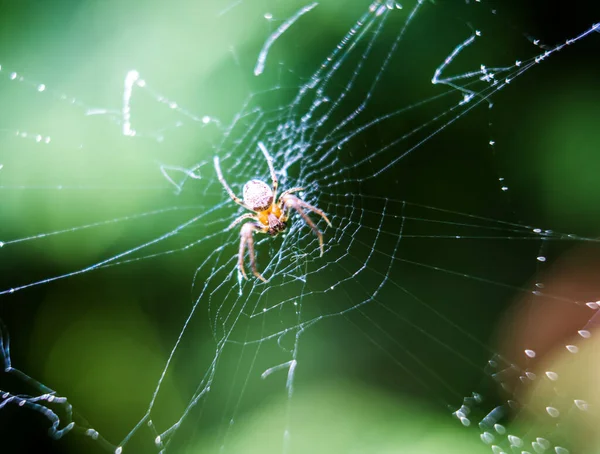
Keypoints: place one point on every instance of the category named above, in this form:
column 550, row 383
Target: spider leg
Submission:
column 234, row 197
column 289, row 191
column 246, row 236
column 294, row 201
column 271, row 168
column 242, row 218
column 296, row 204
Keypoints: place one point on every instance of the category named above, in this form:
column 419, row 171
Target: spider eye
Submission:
column 258, row 195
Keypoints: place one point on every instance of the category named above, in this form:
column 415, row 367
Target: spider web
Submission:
column 427, row 251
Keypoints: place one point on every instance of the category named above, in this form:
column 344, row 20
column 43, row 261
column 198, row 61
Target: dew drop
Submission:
column 541, row 258
column 500, row 429
column 552, row 375
column 560, row 450
column 465, row 421
column 487, row 438
column 582, row 404
column 41, row 87
column 497, row 450
column 530, row 353
column 205, row 119
column 572, row 348
column 537, row 447
column 119, row 450
column 592, row 305
column 515, row 441
column 157, row 440
column 584, row 333
column 543, row 442
column 553, row 412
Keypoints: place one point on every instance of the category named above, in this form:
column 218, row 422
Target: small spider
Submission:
column 269, row 216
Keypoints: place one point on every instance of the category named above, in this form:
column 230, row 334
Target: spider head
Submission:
column 258, row 195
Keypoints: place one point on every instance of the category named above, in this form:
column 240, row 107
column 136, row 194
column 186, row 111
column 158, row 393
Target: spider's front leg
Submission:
column 246, row 236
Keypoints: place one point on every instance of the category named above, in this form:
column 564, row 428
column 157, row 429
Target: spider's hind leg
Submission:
column 297, row 204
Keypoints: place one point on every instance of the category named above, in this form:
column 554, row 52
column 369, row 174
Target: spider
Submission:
column 268, row 215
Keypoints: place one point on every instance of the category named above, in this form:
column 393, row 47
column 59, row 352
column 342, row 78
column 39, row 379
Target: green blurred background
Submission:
column 102, row 338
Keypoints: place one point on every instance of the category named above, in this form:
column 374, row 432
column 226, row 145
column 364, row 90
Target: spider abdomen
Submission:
column 258, row 195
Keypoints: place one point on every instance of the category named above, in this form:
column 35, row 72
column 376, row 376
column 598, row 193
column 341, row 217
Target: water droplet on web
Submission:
column 1, row 243
column 515, row 441
column 500, row 429
column 593, row 305
column 157, row 440
column 560, row 450
column 487, row 438
column 552, row 375
column 572, row 348
column 582, row 404
column 41, row 87
column 497, row 450
column 93, row 434
column 119, row 450
column 537, row 447
column 584, row 333
column 530, row 353
column 530, row 375
column 541, row 258
column 552, row 411
column 545, row 444
column 465, row 421
column 205, row 119
column 268, row 16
